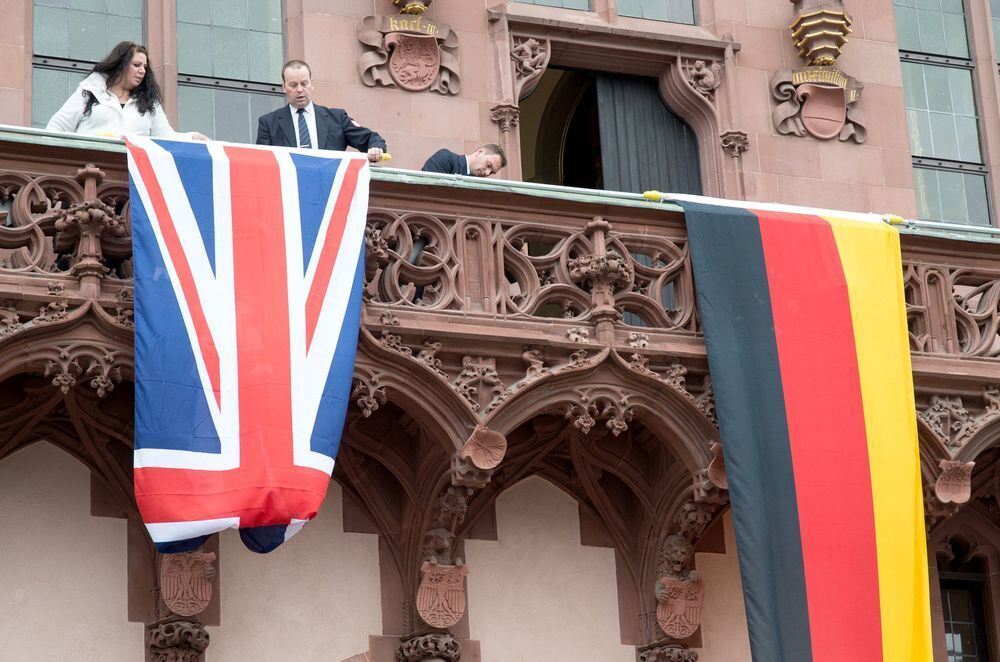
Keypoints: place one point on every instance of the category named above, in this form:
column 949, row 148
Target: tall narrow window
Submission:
column 948, row 166
column 68, row 38
column 229, row 57
column 675, row 11
column 963, row 587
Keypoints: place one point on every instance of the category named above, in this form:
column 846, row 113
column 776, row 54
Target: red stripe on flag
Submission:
column 826, row 424
column 331, row 247
column 260, row 278
column 173, row 245
column 184, row 495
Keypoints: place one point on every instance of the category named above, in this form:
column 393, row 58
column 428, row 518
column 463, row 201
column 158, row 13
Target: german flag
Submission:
column 805, row 327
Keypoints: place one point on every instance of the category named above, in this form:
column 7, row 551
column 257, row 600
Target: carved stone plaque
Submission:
column 185, row 582
column 414, row 61
column 441, row 596
column 679, row 612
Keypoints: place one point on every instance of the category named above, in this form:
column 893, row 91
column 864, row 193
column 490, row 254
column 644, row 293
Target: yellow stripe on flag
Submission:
column 872, row 263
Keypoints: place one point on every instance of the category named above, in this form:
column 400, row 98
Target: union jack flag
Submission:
column 249, row 267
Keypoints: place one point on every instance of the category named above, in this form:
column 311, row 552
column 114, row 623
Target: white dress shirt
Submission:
column 310, row 113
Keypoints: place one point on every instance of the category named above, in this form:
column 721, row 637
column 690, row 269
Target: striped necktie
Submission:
column 303, row 129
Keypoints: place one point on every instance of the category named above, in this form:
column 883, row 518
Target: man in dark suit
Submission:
column 304, row 124
column 485, row 161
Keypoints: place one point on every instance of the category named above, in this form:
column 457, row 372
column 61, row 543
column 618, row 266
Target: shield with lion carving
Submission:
column 415, row 60
column 679, row 612
column 184, row 582
column 441, row 596
column 824, row 109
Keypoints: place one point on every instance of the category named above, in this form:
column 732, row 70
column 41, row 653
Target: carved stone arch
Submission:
column 932, row 451
column 651, row 400
column 419, row 390
column 696, row 104
column 985, row 438
column 975, row 528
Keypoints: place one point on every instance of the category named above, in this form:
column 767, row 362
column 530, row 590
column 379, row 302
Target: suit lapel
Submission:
column 322, row 126
column 286, row 126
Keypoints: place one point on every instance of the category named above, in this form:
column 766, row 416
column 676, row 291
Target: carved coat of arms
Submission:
column 409, row 52
column 185, row 582
column 680, row 604
column 820, row 101
column 441, row 596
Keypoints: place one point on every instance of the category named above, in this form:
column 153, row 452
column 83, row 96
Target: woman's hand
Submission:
column 199, row 136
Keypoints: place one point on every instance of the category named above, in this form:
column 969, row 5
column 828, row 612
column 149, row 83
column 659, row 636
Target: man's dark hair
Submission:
column 295, row 64
column 493, row 148
column 114, row 66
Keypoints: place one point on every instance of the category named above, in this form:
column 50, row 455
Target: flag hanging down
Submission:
column 249, row 267
column 805, row 328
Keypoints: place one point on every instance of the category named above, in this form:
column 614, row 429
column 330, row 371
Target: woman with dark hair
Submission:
column 120, row 97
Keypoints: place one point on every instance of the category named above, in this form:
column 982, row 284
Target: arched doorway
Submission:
column 603, row 131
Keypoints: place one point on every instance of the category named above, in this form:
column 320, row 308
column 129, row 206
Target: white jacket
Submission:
column 107, row 117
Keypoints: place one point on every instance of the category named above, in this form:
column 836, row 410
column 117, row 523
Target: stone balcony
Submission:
column 492, row 306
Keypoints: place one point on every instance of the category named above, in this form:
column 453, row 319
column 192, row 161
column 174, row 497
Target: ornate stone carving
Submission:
column 818, row 101
column 10, row 321
column 735, row 143
column 669, row 653
column 535, row 358
column 436, row 646
column 51, row 312
column 694, row 517
column 429, row 356
column 506, row 116
column 680, row 592
column 530, row 58
column 954, row 485
column 479, row 383
column 638, row 340
column 103, row 368
column 485, row 448
column 409, row 52
column 704, row 78
column 82, row 227
column 368, row 394
column 176, row 639
column 124, row 308
column 186, row 582
column 615, row 411
column 706, row 402
column 580, row 334
column 608, row 271
column 441, row 596
column 953, row 424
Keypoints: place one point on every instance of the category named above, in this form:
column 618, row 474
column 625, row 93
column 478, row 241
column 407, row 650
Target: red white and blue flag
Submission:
column 249, row 268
